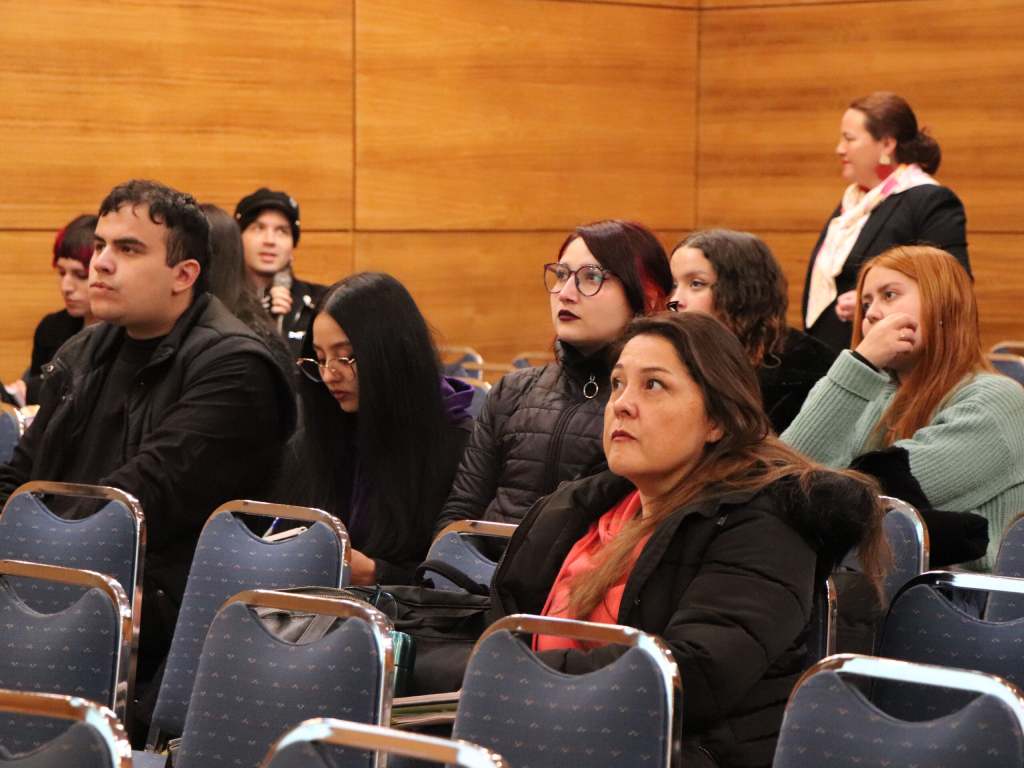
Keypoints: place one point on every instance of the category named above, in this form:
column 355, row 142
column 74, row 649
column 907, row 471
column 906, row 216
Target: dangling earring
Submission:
column 885, row 160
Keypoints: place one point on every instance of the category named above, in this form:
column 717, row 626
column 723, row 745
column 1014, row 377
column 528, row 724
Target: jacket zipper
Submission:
column 555, row 446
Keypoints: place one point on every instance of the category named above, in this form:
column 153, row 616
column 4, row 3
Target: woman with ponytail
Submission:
column 916, row 405
column 705, row 530
column 893, row 199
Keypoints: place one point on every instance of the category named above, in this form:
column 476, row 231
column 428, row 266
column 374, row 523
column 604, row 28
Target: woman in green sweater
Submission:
column 915, row 402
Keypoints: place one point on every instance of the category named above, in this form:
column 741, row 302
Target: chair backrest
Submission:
column 455, row 547
column 454, row 360
column 12, row 426
column 619, row 715
column 821, row 635
column 95, row 738
column 830, row 722
column 907, row 536
column 925, row 625
column 1009, row 347
column 326, row 743
column 251, row 686
column 1003, row 606
column 230, row 559
column 83, row 650
column 1011, row 365
column 531, row 359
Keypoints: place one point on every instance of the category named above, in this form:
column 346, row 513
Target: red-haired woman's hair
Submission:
column 950, row 337
column 75, row 241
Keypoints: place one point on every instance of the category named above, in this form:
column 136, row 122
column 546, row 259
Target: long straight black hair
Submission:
column 392, row 446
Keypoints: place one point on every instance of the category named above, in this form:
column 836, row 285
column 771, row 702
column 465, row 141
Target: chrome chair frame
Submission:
column 892, row 504
column 1007, row 347
column 478, row 528
column 77, row 709
column 880, row 668
column 375, row 738
column 343, row 608
column 979, row 582
column 293, row 512
column 109, row 586
column 107, row 493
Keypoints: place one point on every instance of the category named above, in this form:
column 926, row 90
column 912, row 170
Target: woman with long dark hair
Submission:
column 734, row 276
column 706, row 530
column 542, row 426
column 893, row 198
column 382, row 430
column 916, row 404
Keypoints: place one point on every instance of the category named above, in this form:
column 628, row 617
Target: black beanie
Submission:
column 250, row 207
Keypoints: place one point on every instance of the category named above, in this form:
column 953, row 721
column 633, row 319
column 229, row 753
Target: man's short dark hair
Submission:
column 188, row 231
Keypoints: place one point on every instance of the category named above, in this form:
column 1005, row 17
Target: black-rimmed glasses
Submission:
column 314, row 369
column 589, row 278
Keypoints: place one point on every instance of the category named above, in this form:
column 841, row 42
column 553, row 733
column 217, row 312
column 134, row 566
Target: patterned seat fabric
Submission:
column 903, row 539
column 828, row 722
column 251, row 687
column 79, row 746
column 536, row 717
column 104, row 542
column 230, row 559
column 10, row 434
column 1003, row 606
column 458, row 551
column 73, row 652
column 924, row 626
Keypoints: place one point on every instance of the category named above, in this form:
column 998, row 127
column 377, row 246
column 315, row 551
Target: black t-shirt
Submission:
column 101, row 448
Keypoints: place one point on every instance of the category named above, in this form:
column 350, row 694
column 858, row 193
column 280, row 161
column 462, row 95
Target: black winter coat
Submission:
column 51, row 333
column 727, row 583
column 295, row 324
column 925, row 215
column 786, row 380
column 536, row 430
column 193, row 438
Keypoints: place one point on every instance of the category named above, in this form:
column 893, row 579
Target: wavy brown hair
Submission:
column 750, row 292
column 950, row 336
column 747, row 457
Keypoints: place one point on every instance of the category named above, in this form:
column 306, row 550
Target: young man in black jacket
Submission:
column 270, row 226
column 171, row 398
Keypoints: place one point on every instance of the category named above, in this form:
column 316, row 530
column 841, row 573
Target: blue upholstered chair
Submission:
column 454, row 547
column 82, row 650
column 828, row 721
column 251, row 686
column 620, row 715
column 481, row 389
column 229, row 559
column 1003, row 606
column 532, row 359
column 1010, row 364
column 463, row 362
column 12, row 426
column 90, row 735
column 925, row 625
column 315, row 744
column 907, row 537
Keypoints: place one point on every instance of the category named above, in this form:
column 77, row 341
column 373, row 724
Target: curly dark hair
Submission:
column 750, row 291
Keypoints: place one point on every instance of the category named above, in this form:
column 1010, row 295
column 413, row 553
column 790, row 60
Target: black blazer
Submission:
column 926, row 215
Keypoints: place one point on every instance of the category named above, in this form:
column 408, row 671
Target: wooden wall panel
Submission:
column 324, row 257
column 216, row 98
column 481, row 289
column 522, row 115
column 666, row 3
column 775, row 81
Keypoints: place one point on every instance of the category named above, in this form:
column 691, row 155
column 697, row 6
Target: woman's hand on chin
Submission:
column 888, row 340
column 364, row 570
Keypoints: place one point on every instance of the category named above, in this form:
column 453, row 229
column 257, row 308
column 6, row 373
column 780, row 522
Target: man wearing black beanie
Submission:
column 270, row 226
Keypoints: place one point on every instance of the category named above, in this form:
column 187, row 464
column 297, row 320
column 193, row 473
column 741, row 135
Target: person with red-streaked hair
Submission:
column 916, row 404
column 72, row 252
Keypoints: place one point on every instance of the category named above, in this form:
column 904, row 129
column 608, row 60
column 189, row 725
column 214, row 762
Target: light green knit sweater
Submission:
column 970, row 458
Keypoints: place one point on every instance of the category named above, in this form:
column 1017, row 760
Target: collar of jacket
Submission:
column 581, row 367
column 108, row 337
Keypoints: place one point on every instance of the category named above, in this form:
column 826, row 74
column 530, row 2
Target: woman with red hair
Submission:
column 916, row 404
column 72, row 252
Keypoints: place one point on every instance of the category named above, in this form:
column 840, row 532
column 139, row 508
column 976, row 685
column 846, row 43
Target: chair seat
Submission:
column 142, row 759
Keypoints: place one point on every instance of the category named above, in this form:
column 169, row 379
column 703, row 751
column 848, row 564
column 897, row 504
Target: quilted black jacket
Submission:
column 537, row 429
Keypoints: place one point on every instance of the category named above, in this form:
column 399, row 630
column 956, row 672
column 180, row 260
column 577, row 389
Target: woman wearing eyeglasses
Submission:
column 734, row 276
column 542, row 426
column 382, row 430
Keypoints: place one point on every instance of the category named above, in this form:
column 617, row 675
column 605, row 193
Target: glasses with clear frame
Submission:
column 314, row 369
column 589, row 278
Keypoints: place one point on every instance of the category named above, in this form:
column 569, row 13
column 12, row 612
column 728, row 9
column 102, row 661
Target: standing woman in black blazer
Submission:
column 892, row 200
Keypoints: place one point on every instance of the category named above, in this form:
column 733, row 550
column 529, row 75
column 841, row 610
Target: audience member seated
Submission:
column 227, row 279
column 916, row 404
column 734, row 276
column 270, row 227
column 383, row 431
column 542, row 426
column 892, row 200
column 706, row 530
column 72, row 250
column 170, row 398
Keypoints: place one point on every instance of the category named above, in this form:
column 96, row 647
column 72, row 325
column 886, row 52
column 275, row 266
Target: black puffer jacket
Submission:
column 727, row 583
column 537, row 429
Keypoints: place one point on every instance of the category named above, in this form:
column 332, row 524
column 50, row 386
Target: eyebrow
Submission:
column 646, row 369
column 121, row 241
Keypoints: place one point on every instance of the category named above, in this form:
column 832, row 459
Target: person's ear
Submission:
column 186, row 273
column 715, row 432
